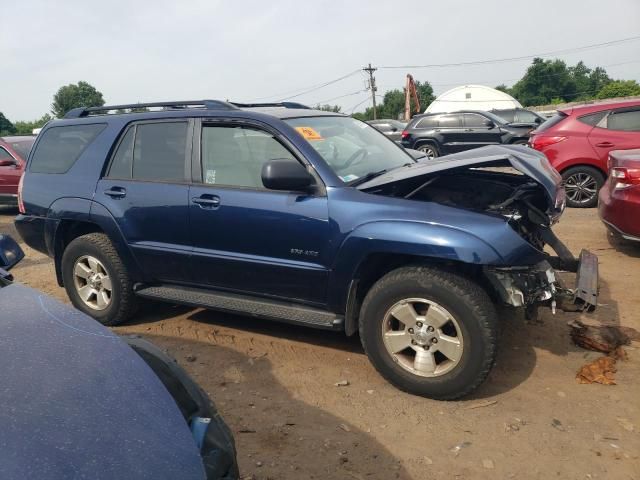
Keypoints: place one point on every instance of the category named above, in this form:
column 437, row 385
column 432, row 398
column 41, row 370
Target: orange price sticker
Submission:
column 309, row 133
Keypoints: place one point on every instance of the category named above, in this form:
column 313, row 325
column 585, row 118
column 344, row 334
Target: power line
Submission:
column 336, row 98
column 523, row 57
column 331, row 82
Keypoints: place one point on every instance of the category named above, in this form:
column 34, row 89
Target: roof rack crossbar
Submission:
column 208, row 104
column 276, row 104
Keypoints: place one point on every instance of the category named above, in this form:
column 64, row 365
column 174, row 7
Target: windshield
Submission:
column 352, row 148
column 496, row 119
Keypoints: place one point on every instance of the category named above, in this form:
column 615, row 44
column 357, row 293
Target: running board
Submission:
column 243, row 304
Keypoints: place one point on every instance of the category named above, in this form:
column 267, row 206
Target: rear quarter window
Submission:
column 593, row 118
column 60, row 147
column 553, row 121
column 427, row 122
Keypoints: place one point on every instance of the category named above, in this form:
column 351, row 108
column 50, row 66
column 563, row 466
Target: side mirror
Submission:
column 286, row 174
column 7, row 162
column 394, row 129
column 489, row 124
column 10, row 252
column 539, row 120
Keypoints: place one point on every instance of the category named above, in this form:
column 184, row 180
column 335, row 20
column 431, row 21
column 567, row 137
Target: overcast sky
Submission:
column 153, row 50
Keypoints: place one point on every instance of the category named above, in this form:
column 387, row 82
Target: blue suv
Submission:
column 310, row 217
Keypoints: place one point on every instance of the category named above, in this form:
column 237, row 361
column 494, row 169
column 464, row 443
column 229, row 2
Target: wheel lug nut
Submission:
column 434, row 340
column 429, row 329
column 426, row 347
column 418, row 324
column 413, row 342
column 411, row 330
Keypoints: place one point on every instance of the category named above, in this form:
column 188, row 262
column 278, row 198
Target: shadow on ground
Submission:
column 237, row 382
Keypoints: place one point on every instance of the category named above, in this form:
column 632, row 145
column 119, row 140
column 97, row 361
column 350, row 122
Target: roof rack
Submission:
column 207, row 104
column 277, row 104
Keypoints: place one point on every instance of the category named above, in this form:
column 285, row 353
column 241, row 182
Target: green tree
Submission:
column 619, row 88
column 425, row 94
column 329, row 108
column 72, row 96
column 26, row 128
column 392, row 105
column 6, row 127
column 543, row 81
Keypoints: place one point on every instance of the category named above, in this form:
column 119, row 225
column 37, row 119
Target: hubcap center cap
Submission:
column 423, row 337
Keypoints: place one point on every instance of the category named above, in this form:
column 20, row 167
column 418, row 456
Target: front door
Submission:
column 480, row 131
column 146, row 190
column 247, row 238
column 451, row 133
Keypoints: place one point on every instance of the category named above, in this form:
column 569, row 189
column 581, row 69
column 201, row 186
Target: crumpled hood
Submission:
column 524, row 159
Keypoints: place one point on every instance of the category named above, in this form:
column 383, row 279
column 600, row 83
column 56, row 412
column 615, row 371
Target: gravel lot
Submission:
column 274, row 384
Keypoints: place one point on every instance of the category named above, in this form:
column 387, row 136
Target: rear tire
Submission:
column 96, row 280
column 431, row 151
column 582, row 185
column 449, row 308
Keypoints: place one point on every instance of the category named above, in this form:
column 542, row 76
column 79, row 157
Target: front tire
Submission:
column 96, row 280
column 582, row 185
column 429, row 332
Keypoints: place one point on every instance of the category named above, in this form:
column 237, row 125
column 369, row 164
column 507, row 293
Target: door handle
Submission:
column 207, row 201
column 116, row 192
column 604, row 144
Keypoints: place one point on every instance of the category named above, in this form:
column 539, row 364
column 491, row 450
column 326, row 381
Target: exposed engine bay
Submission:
column 527, row 207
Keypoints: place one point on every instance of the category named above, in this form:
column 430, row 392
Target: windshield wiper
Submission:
column 366, row 178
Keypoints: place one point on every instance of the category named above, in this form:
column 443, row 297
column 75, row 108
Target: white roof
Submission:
column 472, row 97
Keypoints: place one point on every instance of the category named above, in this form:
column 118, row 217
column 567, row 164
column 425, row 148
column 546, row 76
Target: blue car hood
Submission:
column 77, row 402
column 524, row 159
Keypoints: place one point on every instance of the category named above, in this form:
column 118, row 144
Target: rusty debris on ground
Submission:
column 605, row 339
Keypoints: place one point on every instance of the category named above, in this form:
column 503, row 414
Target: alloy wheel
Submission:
column 422, row 337
column 92, row 282
column 581, row 187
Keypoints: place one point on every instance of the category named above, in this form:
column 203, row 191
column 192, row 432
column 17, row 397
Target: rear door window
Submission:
column 627, row 121
column 160, row 151
column 4, row 155
column 473, row 120
column 60, row 147
column 427, row 122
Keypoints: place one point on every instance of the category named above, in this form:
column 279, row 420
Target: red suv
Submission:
column 13, row 156
column 577, row 142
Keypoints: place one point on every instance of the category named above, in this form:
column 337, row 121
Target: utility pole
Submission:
column 372, row 86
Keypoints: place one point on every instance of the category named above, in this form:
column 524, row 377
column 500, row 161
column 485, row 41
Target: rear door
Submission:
column 478, row 133
column 9, row 173
column 146, row 190
column 450, row 130
column 619, row 130
column 247, row 238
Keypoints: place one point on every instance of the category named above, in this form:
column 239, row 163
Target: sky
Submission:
column 246, row 50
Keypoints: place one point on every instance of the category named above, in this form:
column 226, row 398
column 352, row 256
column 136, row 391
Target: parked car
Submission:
column 391, row 128
column 577, row 142
column 304, row 216
column 14, row 152
column 439, row 134
column 619, row 199
column 82, row 402
column 520, row 117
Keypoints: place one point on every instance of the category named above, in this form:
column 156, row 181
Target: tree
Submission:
column 543, row 81
column 392, row 105
column 329, row 108
column 6, row 127
column 26, row 128
column 425, row 94
column 619, row 88
column 73, row 96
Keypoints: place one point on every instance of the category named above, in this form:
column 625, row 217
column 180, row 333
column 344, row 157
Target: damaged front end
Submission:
column 519, row 185
column 540, row 285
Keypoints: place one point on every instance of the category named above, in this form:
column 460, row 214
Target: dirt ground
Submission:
column 274, row 384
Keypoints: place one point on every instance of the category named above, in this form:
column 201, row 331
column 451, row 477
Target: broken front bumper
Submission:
column 539, row 285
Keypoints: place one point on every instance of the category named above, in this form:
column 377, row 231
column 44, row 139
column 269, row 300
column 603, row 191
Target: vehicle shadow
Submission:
column 277, row 435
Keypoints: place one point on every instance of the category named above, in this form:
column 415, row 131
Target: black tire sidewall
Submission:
column 428, row 146
column 593, row 172
column 477, row 343
column 77, row 248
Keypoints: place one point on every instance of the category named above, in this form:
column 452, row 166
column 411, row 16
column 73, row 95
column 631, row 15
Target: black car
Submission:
column 391, row 128
column 520, row 117
column 439, row 134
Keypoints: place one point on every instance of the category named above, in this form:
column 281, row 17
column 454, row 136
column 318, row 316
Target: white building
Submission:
column 472, row 97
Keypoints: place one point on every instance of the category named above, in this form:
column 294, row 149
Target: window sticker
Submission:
column 309, row 133
column 348, row 178
column 210, row 177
